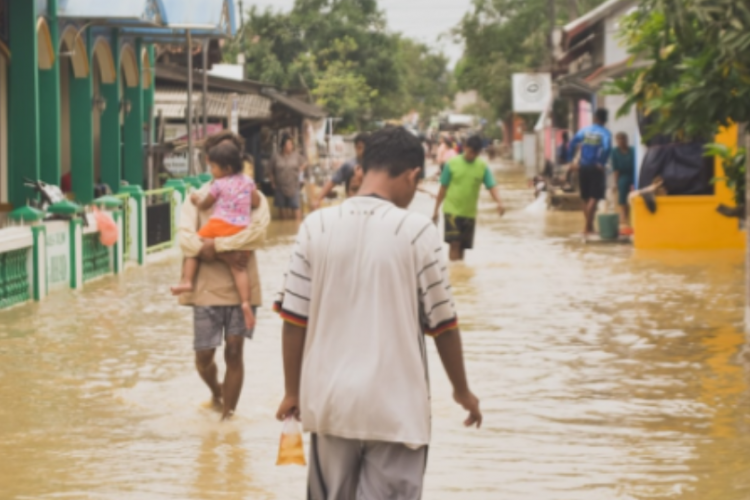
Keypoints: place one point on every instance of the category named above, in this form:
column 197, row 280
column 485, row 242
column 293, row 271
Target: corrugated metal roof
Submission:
column 591, row 18
column 303, row 108
column 172, row 102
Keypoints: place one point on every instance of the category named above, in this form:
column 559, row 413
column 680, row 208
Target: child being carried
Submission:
column 233, row 196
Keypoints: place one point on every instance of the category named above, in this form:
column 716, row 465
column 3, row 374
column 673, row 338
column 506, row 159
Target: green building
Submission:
column 77, row 84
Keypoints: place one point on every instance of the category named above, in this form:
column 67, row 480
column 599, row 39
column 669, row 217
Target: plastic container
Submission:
column 609, row 226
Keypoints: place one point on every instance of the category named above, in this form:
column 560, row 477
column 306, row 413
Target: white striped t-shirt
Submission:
column 368, row 280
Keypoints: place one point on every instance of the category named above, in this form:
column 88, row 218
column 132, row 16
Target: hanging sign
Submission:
column 234, row 113
column 531, row 92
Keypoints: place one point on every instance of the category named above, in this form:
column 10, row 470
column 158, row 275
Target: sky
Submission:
column 424, row 20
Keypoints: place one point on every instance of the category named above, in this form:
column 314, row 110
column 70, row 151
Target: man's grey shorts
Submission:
column 215, row 323
column 346, row 469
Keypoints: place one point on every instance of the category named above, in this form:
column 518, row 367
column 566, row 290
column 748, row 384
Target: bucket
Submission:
column 609, row 226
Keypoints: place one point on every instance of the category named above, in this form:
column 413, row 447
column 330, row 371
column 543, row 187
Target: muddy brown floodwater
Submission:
column 604, row 373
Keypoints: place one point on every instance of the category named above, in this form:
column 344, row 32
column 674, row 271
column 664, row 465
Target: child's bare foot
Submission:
column 247, row 311
column 227, row 415
column 182, row 288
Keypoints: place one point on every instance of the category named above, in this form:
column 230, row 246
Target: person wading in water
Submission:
column 216, row 303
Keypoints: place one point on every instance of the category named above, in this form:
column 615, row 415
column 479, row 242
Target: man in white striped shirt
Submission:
column 367, row 280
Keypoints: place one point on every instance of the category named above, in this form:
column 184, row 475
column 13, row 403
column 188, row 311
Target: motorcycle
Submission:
column 49, row 195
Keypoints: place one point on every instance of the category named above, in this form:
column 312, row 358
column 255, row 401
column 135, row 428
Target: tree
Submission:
column 700, row 76
column 503, row 37
column 384, row 74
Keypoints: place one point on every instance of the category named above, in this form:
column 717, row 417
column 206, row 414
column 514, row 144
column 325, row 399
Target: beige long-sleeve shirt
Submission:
column 214, row 285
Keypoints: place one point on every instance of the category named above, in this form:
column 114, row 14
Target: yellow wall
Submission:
column 690, row 222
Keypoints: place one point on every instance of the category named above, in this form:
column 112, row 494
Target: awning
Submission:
column 575, row 86
column 616, row 70
column 581, row 48
column 578, row 27
column 119, row 12
column 172, row 103
column 300, row 107
column 171, row 74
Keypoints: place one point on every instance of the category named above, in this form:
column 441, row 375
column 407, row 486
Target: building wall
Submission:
column 614, row 49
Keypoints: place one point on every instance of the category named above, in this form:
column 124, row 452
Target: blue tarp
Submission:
column 218, row 15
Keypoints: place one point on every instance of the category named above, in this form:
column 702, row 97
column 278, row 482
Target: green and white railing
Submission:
column 47, row 256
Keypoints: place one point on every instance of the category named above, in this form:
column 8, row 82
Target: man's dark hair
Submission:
column 601, row 115
column 226, row 155
column 361, row 138
column 475, row 143
column 284, row 139
column 393, row 150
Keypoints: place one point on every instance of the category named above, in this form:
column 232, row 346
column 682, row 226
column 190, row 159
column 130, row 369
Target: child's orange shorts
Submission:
column 216, row 228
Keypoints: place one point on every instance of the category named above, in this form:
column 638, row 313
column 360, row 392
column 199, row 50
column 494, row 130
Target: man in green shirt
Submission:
column 461, row 182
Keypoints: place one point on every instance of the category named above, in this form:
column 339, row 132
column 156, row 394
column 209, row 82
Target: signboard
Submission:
column 58, row 256
column 234, row 113
column 177, row 164
column 531, row 92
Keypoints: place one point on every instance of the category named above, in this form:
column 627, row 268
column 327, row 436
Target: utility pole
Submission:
column 552, row 13
column 189, row 117
column 747, row 225
column 572, row 9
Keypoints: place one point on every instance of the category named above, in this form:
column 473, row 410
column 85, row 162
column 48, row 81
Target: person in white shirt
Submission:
column 356, row 368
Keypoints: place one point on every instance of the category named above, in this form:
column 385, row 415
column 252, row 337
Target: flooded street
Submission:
column 603, row 374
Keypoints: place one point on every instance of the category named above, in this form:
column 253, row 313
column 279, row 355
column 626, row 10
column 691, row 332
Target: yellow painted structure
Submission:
column 690, row 222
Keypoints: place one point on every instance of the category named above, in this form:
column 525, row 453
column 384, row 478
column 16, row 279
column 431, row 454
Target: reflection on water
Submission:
column 603, row 372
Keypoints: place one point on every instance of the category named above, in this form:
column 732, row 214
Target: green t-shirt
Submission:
column 464, row 181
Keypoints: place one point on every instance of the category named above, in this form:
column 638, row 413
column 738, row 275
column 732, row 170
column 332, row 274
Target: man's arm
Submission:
column 207, row 202
column 577, row 139
column 293, row 347
column 253, row 237
column 340, row 176
column 445, row 181
column 327, row 188
column 187, row 232
column 606, row 149
column 495, row 192
column 491, row 184
column 450, row 348
column 438, row 203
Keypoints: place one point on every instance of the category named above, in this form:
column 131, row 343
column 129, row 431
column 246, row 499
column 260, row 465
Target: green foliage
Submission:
column 342, row 54
column 339, row 89
column 700, row 76
column 503, row 37
column 735, row 169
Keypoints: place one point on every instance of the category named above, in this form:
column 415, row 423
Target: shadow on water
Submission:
column 604, row 373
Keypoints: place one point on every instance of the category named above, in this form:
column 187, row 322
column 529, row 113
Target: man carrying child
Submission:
column 217, row 303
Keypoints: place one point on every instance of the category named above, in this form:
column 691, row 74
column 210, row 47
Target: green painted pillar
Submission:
column 49, row 107
column 110, row 125
column 82, row 133
column 39, row 264
column 23, row 101
column 133, row 134
column 149, row 94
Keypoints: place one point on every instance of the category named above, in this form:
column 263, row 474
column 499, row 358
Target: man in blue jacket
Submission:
column 595, row 142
